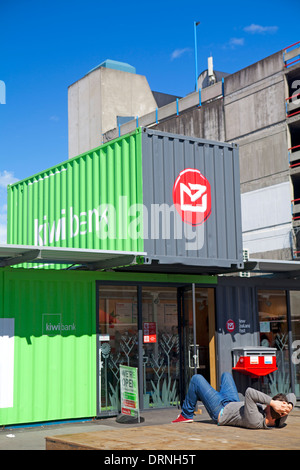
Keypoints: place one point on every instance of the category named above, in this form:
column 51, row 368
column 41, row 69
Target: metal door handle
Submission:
column 193, row 357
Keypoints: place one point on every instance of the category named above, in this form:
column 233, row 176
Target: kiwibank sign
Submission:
column 94, row 220
column 53, row 325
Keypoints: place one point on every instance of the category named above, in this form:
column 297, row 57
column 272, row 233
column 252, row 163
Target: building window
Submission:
column 273, row 330
column 295, row 326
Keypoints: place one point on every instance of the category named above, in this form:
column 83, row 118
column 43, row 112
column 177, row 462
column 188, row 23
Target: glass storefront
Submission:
column 273, row 329
column 279, row 327
column 295, row 327
column 151, row 328
column 119, row 344
column 166, row 335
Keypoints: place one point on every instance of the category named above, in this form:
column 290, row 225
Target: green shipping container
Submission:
column 69, row 205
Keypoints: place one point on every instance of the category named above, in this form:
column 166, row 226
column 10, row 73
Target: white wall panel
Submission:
column 7, row 332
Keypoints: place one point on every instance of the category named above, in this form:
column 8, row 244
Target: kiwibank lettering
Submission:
column 53, row 325
column 79, row 224
column 120, row 221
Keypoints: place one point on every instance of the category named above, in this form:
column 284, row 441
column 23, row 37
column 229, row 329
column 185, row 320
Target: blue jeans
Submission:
column 213, row 401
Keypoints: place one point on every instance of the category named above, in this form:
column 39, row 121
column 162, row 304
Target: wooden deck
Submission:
column 199, row 435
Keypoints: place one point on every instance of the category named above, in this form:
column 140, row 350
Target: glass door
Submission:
column 273, row 327
column 117, row 342
column 161, row 364
column 197, row 333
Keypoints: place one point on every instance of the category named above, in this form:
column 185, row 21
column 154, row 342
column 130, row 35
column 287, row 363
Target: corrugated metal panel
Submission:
column 235, row 301
column 217, row 241
column 76, row 203
column 54, row 345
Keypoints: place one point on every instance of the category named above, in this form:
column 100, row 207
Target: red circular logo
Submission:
column 230, row 325
column 192, row 196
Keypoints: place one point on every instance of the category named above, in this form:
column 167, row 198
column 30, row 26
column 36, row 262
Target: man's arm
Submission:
column 281, row 407
column 253, row 416
column 291, row 398
column 284, row 407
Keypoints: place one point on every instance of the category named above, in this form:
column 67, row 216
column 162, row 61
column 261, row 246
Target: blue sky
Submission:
column 45, row 46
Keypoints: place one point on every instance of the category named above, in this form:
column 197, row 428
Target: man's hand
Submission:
column 281, row 407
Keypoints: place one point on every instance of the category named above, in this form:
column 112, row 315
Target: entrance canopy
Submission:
column 90, row 259
column 279, row 268
column 11, row 255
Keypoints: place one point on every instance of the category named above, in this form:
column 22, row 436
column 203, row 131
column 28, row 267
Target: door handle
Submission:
column 193, row 358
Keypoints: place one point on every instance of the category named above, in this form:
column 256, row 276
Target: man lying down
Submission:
column 226, row 409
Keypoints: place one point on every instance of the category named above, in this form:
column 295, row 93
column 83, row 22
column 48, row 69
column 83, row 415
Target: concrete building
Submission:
column 109, row 95
column 259, row 109
column 106, row 96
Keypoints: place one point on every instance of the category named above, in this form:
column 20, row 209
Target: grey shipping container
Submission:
column 206, row 213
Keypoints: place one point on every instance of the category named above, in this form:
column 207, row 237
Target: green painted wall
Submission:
column 54, row 346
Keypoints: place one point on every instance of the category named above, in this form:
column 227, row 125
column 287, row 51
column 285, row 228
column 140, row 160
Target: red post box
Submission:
column 255, row 361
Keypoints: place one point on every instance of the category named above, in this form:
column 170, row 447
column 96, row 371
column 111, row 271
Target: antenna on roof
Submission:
column 211, row 75
column 196, row 23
